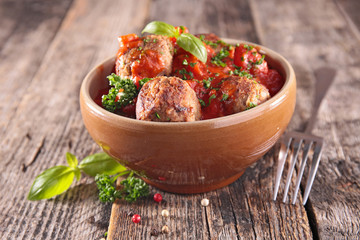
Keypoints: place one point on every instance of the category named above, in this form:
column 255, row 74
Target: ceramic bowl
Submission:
column 190, row 157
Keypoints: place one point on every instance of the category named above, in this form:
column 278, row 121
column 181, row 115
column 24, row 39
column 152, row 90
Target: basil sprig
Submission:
column 161, row 28
column 100, row 163
column 58, row 179
column 187, row 41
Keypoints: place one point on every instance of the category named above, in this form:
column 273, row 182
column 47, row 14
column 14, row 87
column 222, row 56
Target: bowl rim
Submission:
column 215, row 122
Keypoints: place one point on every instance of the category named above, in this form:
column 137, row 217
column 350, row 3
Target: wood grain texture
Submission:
column 47, row 47
column 244, row 210
column 46, row 121
column 27, row 29
column 316, row 33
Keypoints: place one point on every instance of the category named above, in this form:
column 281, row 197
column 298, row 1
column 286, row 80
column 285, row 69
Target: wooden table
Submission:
column 46, row 49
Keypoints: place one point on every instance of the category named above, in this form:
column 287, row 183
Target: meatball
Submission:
column 167, row 99
column 243, row 93
column 152, row 57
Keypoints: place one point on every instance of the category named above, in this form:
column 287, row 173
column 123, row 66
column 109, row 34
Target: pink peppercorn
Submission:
column 136, row 218
column 157, row 197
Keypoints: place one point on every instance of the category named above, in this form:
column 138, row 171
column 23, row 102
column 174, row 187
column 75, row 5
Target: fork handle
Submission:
column 324, row 78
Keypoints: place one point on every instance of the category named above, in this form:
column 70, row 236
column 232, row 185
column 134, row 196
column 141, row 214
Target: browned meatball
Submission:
column 167, row 99
column 152, row 58
column 243, row 93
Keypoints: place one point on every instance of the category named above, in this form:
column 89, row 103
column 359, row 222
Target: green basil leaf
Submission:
column 161, row 28
column 51, row 182
column 77, row 173
column 72, row 160
column 100, row 163
column 193, row 45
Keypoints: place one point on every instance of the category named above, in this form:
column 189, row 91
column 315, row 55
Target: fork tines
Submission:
column 294, row 142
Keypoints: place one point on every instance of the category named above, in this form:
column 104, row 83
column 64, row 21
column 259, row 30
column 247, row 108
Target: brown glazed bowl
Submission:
column 190, row 157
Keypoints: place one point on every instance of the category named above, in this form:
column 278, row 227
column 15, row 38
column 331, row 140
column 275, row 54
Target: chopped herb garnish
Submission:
column 223, row 43
column 243, row 73
column 211, row 98
column 251, row 105
column 207, row 82
column 192, row 64
column 217, row 60
column 184, row 73
column 211, row 44
column 157, row 115
column 202, row 103
column 185, row 62
column 260, row 61
column 224, row 97
column 248, row 47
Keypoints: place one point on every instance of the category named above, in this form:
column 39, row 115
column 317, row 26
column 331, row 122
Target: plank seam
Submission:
column 41, row 62
column 312, row 219
column 234, row 215
column 39, row 147
column 349, row 22
column 250, row 214
column 207, row 224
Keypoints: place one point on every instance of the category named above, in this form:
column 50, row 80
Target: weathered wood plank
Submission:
column 27, row 29
column 47, row 122
column 243, row 210
column 314, row 34
column 38, row 127
column 350, row 10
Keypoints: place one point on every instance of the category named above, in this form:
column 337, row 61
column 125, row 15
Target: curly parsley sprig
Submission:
column 122, row 93
column 133, row 187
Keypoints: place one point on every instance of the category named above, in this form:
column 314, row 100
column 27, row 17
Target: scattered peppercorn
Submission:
column 165, row 229
column 154, row 232
column 136, row 218
column 157, row 197
column 130, row 213
column 205, row 202
column 165, row 213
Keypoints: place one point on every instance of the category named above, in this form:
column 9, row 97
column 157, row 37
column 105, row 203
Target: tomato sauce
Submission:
column 223, row 60
column 206, row 78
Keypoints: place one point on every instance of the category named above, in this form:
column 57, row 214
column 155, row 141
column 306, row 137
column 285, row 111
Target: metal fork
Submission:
column 306, row 141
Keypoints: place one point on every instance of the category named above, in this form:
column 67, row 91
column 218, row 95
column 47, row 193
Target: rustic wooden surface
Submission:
column 47, row 47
